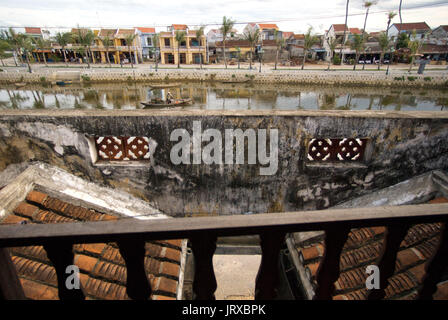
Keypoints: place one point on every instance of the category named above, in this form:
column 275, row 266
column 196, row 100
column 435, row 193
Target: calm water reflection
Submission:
column 224, row 97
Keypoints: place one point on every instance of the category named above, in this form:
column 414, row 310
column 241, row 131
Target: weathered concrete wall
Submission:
column 396, row 78
column 402, row 145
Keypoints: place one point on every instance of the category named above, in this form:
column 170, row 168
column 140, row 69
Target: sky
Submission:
column 289, row 15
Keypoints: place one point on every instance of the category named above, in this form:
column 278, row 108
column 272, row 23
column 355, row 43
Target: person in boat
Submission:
column 169, row 98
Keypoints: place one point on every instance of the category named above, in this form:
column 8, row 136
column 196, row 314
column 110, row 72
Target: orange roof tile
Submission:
column 179, row 26
column 103, row 270
column 146, row 30
column 363, row 247
column 268, row 26
column 412, row 26
column 32, row 30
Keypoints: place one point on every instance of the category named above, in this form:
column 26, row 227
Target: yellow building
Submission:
column 190, row 51
column 118, row 49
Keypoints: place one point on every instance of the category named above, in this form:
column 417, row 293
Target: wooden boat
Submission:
column 159, row 103
column 163, row 86
column 20, row 84
column 63, row 83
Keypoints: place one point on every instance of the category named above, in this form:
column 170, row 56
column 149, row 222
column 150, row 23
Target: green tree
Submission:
column 345, row 28
column 199, row 36
column 367, row 5
column 280, row 44
column 390, row 16
column 155, row 41
column 107, row 41
column 414, row 47
column 129, row 42
column 26, row 46
column 12, row 38
column 4, row 46
column 310, row 40
column 42, row 44
column 63, row 39
column 238, row 50
column 357, row 44
column 332, row 43
column 385, row 44
column 402, row 41
column 180, row 37
column 226, row 27
column 252, row 36
column 85, row 38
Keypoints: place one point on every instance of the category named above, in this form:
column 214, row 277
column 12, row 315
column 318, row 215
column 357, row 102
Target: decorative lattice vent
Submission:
column 343, row 149
column 111, row 148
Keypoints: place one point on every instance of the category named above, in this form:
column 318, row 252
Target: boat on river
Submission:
column 159, row 103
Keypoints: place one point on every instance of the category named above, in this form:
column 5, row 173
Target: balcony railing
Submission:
column 130, row 236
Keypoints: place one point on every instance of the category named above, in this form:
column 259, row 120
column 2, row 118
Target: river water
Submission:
column 223, row 96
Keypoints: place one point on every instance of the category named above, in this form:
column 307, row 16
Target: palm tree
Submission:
column 63, row 39
column 13, row 39
column 345, row 28
column 199, row 35
column 280, row 43
column 180, row 37
column 107, row 42
column 332, row 43
column 42, row 44
column 367, row 5
column 238, row 50
column 390, row 16
column 414, row 47
column 155, row 41
column 310, row 40
column 129, row 41
column 252, row 36
column 399, row 11
column 384, row 43
column 85, row 38
column 24, row 43
column 357, row 44
column 4, row 46
column 226, row 27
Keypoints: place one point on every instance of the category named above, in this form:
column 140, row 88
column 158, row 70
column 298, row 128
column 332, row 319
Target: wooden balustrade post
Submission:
column 204, row 283
column 267, row 277
column 61, row 256
column 329, row 269
column 137, row 284
column 10, row 287
column 394, row 236
column 435, row 267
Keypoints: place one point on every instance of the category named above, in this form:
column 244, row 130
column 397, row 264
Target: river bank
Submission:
column 437, row 79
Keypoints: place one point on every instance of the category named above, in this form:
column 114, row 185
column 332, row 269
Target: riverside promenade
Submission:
column 434, row 76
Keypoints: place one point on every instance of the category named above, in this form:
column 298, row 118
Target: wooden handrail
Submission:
column 177, row 228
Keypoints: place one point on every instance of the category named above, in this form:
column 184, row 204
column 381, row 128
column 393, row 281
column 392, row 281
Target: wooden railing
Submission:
column 131, row 234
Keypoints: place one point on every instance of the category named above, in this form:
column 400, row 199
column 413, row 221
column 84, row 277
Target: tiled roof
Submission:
column 31, row 30
column 339, row 27
column 363, row 248
column 102, row 269
column 287, row 34
column 445, row 28
column 107, row 32
column 125, row 32
column 146, row 30
column 179, row 26
column 434, row 48
column 354, row 30
column 412, row 26
column 268, row 26
column 299, row 36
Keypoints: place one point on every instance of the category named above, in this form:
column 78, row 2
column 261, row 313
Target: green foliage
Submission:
column 233, row 76
column 85, row 78
column 427, row 78
column 402, row 41
column 399, row 78
column 412, row 78
column 336, row 59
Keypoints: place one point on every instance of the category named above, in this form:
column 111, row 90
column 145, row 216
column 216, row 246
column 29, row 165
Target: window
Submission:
column 167, row 42
column 149, row 41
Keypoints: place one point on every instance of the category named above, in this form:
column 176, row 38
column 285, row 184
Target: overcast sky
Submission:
column 289, row 15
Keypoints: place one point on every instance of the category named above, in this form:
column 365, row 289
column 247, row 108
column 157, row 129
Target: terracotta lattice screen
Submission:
column 112, row 148
column 343, row 149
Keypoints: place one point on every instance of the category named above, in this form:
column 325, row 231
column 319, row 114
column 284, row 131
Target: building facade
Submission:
column 190, row 51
